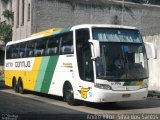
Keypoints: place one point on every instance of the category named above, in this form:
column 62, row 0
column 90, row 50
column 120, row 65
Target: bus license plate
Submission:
column 126, row 95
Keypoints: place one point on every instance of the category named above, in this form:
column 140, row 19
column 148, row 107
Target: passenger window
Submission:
column 40, row 47
column 9, row 52
column 22, row 50
column 15, row 51
column 66, row 43
column 30, row 49
column 52, row 46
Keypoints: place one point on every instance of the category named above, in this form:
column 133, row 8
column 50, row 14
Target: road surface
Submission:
column 40, row 106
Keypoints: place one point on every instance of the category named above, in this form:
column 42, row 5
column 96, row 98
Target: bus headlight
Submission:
column 102, row 86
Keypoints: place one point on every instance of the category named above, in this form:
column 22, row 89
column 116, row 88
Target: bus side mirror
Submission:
column 95, row 49
column 151, row 50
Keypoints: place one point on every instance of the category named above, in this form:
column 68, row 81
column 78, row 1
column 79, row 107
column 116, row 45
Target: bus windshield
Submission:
column 122, row 60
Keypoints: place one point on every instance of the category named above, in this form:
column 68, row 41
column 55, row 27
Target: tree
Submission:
column 6, row 28
column 5, row 32
column 8, row 14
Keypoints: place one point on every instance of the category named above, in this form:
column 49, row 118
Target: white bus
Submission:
column 90, row 62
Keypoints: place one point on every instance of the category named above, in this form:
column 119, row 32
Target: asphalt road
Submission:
column 41, row 106
column 13, row 106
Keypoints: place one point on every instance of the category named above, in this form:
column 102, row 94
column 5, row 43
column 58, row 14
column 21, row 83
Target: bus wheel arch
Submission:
column 68, row 93
column 20, row 86
column 14, row 84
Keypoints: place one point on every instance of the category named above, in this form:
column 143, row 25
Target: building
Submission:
column 31, row 16
column 22, row 25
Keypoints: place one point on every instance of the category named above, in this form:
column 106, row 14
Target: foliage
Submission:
column 8, row 14
column 5, row 32
column 6, row 29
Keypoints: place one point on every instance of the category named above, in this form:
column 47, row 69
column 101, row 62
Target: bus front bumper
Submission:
column 102, row 95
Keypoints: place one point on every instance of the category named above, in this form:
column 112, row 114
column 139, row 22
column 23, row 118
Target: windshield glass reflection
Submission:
column 122, row 61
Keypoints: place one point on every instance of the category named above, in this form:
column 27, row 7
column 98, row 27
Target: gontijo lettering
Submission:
column 22, row 64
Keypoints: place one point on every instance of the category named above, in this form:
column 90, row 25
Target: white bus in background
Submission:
column 92, row 62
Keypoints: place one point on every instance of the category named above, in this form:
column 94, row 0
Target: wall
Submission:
column 46, row 14
column 154, row 64
column 59, row 13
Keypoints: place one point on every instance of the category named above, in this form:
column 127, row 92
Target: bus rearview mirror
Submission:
column 151, row 50
column 95, row 49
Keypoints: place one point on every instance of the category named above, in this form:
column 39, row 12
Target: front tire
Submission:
column 69, row 95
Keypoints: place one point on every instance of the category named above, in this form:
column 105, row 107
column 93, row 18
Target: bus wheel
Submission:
column 20, row 87
column 68, row 94
column 14, row 85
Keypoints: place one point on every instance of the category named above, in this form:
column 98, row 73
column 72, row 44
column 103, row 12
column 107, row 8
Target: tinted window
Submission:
column 53, row 46
column 22, row 47
column 8, row 52
column 66, row 43
column 41, row 46
column 59, row 44
column 30, row 50
column 15, row 51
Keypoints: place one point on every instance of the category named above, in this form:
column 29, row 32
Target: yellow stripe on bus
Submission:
column 47, row 32
column 32, row 75
column 28, row 77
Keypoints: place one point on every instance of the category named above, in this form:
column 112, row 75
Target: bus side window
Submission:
column 30, row 49
column 15, row 51
column 40, row 46
column 9, row 52
column 22, row 50
column 66, row 43
column 52, row 48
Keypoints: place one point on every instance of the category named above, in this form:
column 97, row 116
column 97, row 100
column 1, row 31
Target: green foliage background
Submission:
column 5, row 32
column 6, row 28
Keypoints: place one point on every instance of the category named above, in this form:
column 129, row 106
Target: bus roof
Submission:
column 102, row 25
column 55, row 31
column 47, row 32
